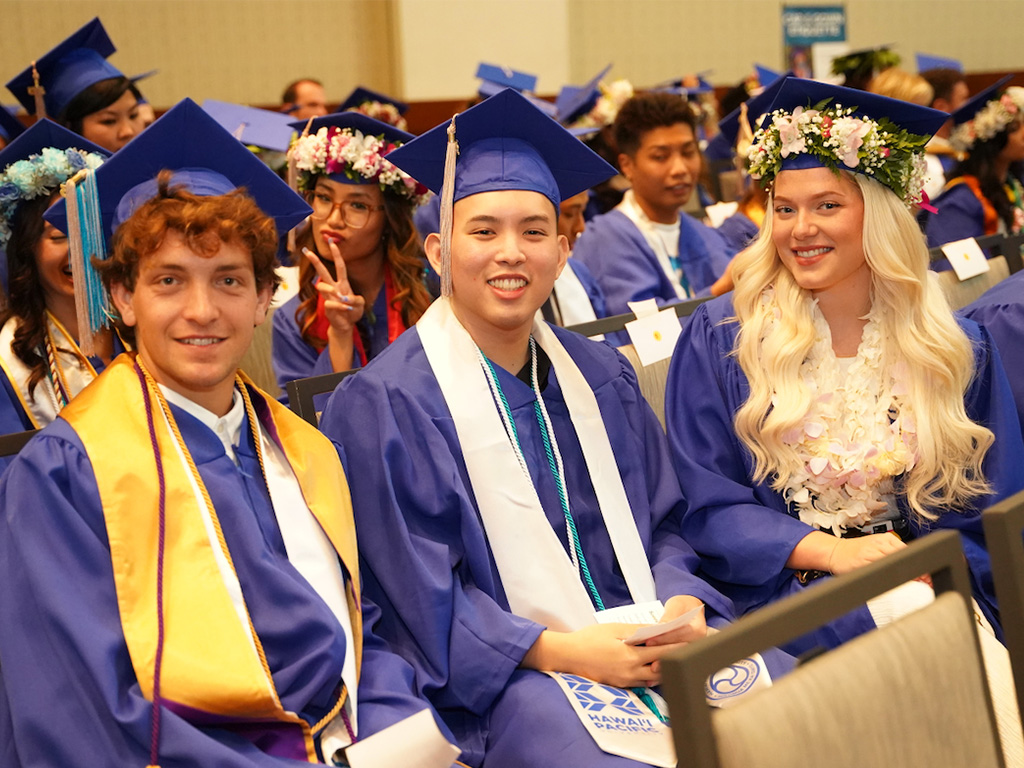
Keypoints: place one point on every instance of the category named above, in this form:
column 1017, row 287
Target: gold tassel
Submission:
column 37, row 92
column 447, row 196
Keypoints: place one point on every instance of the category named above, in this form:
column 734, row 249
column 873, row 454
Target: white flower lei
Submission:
column 990, row 120
column 37, row 175
column 383, row 111
column 841, row 140
column 857, row 436
column 348, row 151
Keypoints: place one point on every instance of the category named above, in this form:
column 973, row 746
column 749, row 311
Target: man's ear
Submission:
column 626, row 165
column 123, row 298
column 432, row 247
column 263, row 299
column 563, row 254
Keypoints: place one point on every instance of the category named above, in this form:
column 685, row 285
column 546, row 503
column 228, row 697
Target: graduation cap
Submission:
column 73, row 65
column 496, row 78
column 685, row 87
column 926, row 61
column 899, row 129
column 10, row 126
column 573, row 101
column 43, row 134
column 502, row 143
column 765, row 75
column 362, row 95
column 253, row 127
column 729, row 126
column 204, row 157
column 977, row 102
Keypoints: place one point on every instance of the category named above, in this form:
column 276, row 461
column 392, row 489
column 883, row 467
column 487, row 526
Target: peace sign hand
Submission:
column 343, row 308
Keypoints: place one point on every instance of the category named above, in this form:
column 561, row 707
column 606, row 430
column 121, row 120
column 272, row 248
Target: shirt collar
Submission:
column 228, row 427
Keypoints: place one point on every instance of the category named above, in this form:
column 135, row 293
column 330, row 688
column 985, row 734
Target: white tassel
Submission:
column 447, row 196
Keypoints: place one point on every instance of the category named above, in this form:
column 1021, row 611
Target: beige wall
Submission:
column 247, row 50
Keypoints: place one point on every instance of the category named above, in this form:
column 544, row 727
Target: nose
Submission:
column 804, row 226
column 127, row 130
column 337, row 217
column 680, row 168
column 509, row 250
column 200, row 306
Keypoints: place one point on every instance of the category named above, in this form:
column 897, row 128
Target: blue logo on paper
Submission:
column 732, row 681
column 594, row 697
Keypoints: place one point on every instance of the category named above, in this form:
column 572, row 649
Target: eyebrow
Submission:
column 815, row 196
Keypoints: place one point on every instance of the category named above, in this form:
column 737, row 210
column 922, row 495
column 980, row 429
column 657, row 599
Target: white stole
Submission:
column 572, row 302
column 536, row 572
column 634, row 213
column 73, row 367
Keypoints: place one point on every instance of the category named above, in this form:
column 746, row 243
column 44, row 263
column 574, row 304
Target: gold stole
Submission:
column 212, row 660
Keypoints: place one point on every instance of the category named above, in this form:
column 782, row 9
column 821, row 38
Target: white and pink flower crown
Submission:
column 837, row 139
column 346, row 151
column 607, row 106
column 383, row 111
column 990, row 120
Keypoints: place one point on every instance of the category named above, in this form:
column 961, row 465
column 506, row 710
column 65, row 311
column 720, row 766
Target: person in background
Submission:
column 76, row 86
column 984, row 194
column 647, row 247
column 362, row 268
column 208, row 608
column 304, row 99
column 44, row 367
column 950, row 93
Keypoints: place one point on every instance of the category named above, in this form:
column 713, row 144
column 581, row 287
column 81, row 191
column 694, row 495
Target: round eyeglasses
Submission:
column 355, row 213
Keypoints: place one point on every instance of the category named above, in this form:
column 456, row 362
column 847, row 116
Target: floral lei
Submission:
column 857, row 436
column 383, row 111
column 345, row 150
column 990, row 120
column 608, row 104
column 833, row 135
column 38, row 175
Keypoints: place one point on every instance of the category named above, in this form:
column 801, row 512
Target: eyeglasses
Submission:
column 355, row 213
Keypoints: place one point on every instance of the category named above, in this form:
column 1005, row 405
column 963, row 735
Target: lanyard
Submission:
column 554, row 457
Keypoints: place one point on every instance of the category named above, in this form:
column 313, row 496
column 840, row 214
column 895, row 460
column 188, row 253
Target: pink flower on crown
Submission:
column 850, row 132
column 790, row 135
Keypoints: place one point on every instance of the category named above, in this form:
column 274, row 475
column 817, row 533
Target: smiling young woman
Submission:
column 362, row 271
column 835, row 400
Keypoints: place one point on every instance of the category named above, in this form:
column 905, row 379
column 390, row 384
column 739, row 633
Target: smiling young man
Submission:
column 509, row 480
column 192, row 594
column 646, row 247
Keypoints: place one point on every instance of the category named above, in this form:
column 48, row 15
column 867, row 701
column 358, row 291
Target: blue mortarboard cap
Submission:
column 45, row 133
column 255, row 127
column 729, row 126
column 68, row 69
column 974, row 105
column 572, row 101
column 191, row 143
column 505, row 143
column 677, row 86
column 488, row 89
column 10, row 126
column 498, row 78
column 361, row 95
column 356, row 121
column 926, row 61
column 765, row 75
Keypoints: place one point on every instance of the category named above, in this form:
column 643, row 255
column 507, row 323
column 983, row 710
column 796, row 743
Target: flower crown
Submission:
column 38, row 175
column 876, row 148
column 383, row 111
column 345, row 150
column 608, row 104
column 990, row 120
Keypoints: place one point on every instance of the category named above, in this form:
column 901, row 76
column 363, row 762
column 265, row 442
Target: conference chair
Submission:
column 1004, row 525
column 303, row 393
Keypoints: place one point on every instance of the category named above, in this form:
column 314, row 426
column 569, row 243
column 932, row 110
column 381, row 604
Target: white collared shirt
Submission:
column 227, row 427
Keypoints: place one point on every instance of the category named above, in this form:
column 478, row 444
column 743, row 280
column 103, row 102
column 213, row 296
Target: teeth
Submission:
column 812, row 253
column 507, row 284
column 200, row 342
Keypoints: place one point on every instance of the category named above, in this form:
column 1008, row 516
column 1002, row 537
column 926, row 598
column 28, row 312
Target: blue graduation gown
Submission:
column 426, row 559
column 293, row 358
column 959, row 216
column 738, row 231
column 744, row 532
column 68, row 689
column 1000, row 310
column 626, row 268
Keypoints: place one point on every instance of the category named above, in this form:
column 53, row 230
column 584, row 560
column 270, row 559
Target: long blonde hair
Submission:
column 917, row 327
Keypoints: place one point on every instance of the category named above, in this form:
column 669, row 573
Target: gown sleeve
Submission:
column 291, row 356
column 424, row 556
column 68, row 691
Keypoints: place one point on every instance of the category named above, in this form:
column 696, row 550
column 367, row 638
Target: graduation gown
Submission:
column 744, row 532
column 68, row 689
column 1000, row 311
column 627, row 269
column 960, row 214
column 425, row 557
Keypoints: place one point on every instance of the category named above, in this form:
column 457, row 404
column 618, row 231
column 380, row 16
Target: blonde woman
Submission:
column 833, row 408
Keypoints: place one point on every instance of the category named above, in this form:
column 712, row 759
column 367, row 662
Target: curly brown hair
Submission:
column 403, row 253
column 203, row 221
